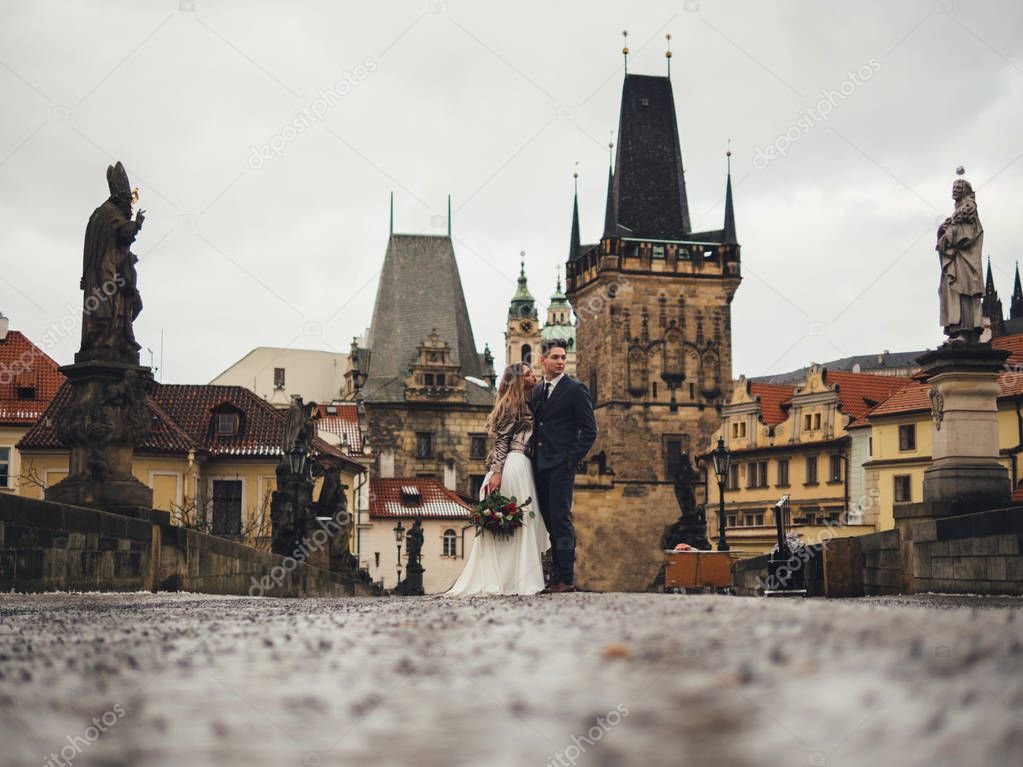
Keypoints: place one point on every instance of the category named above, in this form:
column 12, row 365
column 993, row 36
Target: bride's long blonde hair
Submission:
column 512, row 393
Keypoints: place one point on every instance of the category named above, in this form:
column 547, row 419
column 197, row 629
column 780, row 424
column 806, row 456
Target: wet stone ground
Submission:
column 598, row 679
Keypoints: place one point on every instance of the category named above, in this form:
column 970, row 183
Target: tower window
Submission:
column 477, row 446
column 527, row 354
column 278, row 378
column 424, row 444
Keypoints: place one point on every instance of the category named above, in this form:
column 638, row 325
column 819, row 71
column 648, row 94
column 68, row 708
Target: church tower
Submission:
column 559, row 325
column 652, row 300
column 522, row 334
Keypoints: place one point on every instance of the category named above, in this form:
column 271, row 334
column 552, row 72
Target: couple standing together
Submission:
column 542, row 429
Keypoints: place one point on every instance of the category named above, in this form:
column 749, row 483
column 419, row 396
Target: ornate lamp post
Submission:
column 399, row 536
column 296, row 457
column 722, row 458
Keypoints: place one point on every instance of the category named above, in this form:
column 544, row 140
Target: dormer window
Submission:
column 278, row 378
column 410, row 495
column 26, row 392
column 228, row 424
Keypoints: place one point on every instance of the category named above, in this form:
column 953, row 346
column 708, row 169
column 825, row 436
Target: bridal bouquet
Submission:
column 499, row 514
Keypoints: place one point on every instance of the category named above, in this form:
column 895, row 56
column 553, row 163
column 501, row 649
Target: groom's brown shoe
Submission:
column 559, row 588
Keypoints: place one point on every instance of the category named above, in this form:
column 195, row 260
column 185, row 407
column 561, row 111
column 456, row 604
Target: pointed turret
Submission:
column 573, row 244
column 1016, row 307
column 610, row 220
column 991, row 304
column 729, row 229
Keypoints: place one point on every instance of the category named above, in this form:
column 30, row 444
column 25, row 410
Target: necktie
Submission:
column 546, row 390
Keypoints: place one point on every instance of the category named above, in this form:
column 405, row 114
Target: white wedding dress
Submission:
column 508, row 565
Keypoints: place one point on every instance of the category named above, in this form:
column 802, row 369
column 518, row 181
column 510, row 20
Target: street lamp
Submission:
column 399, row 536
column 296, row 457
column 722, row 458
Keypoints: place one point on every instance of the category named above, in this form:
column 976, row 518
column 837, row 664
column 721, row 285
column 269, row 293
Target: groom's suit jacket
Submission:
column 563, row 427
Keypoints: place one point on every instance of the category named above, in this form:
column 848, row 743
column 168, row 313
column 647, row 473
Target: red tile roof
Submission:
column 183, row 421
column 859, row 392
column 408, row 497
column 24, row 365
column 342, row 419
column 772, row 398
column 1012, row 344
column 910, row 399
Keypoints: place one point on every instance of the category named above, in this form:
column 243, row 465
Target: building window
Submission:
column 27, row 392
column 227, row 507
column 816, row 421
column 730, row 520
column 903, row 490
column 478, row 446
column 674, row 446
column 907, row 436
column 835, row 468
column 5, row 467
column 753, row 519
column 738, row 430
column 733, row 477
column 653, row 390
column 424, row 444
column 783, row 472
column 450, row 543
column 756, row 474
column 278, row 378
column 440, row 379
column 811, row 470
column 870, row 446
column 807, row 421
column 227, row 423
column 475, row 484
column 527, row 354
column 428, row 379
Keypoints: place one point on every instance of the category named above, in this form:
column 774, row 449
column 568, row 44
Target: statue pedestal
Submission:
column 102, row 423
column 964, row 404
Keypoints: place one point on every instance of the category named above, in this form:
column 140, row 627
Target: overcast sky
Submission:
column 494, row 103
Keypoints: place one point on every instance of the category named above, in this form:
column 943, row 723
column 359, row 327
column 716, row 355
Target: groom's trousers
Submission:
column 554, row 488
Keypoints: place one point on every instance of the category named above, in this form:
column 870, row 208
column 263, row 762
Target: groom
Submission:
column 563, row 433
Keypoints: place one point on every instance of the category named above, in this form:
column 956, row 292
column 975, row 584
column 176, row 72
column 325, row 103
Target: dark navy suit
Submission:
column 563, row 433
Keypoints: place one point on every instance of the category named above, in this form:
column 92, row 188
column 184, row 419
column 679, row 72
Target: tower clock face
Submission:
column 526, row 326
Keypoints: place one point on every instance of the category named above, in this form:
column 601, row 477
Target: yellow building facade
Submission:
column 797, row 441
column 210, row 459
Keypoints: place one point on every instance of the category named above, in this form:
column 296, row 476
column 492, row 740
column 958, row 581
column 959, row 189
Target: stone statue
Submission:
column 960, row 239
column 291, row 504
column 691, row 526
column 412, row 585
column 414, row 545
column 109, row 279
column 301, row 427
column 107, row 414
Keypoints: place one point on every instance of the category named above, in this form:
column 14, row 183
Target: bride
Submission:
column 509, row 565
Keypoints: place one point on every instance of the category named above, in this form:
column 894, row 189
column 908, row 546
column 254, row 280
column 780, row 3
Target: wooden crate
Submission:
column 698, row 569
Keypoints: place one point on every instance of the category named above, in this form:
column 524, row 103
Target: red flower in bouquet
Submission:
column 499, row 514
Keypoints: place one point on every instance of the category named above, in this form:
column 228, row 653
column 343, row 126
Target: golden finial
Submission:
column 728, row 156
column 625, row 49
column 575, row 171
column 667, row 54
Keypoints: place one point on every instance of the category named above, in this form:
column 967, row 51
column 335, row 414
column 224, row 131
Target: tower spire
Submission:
column 610, row 219
column 667, row 53
column 390, row 229
column 989, row 286
column 573, row 245
column 729, row 228
column 625, row 49
column 1016, row 307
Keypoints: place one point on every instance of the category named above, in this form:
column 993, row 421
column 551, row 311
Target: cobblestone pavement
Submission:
column 599, row 679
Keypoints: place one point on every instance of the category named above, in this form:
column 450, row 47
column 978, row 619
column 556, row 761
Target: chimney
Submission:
column 4, row 325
